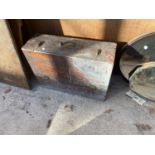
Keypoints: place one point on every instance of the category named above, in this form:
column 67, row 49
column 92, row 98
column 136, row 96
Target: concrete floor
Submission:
column 46, row 111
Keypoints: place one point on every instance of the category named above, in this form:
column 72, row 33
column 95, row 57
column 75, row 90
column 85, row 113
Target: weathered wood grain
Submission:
column 118, row 30
column 11, row 69
column 84, row 66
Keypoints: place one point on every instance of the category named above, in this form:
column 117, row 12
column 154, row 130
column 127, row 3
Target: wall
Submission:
column 106, row 29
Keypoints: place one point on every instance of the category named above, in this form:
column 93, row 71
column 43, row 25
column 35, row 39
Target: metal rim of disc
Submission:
column 124, row 72
column 142, row 81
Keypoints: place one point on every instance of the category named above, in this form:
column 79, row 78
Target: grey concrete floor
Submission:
column 43, row 110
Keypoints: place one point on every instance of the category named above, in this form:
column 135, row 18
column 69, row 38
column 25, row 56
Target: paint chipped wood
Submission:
column 79, row 65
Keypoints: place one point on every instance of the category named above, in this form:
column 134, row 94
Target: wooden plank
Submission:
column 11, row 69
column 118, row 30
column 110, row 30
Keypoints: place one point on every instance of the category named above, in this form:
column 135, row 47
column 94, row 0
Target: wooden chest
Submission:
column 72, row 65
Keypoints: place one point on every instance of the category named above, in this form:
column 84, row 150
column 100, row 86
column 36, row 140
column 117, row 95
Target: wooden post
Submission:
column 11, row 69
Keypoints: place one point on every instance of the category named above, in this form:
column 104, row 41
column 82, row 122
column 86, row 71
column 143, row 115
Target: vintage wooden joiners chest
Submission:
column 75, row 65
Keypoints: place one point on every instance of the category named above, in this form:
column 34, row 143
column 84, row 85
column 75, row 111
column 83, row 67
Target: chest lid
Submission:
column 72, row 47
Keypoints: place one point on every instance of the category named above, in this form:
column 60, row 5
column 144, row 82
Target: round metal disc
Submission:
column 142, row 81
column 137, row 52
